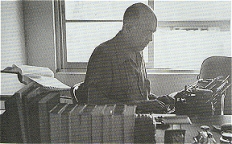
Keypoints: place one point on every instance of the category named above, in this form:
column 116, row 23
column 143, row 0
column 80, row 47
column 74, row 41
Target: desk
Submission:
column 197, row 121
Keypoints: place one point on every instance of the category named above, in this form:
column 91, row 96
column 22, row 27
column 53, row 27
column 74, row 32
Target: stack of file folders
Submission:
column 73, row 123
column 37, row 116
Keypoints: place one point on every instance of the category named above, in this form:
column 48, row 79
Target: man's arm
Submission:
column 149, row 106
column 99, row 75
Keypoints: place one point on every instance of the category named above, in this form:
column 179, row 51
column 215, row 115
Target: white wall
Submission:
column 12, row 34
column 39, row 33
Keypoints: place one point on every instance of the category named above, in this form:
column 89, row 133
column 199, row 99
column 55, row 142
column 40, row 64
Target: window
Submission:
column 187, row 33
column 83, row 25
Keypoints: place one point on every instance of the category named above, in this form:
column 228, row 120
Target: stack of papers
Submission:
column 41, row 75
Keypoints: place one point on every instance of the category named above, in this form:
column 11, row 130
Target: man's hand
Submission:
column 168, row 101
column 151, row 106
column 152, row 96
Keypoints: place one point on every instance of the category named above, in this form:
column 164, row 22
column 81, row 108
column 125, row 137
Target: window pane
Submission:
column 186, row 50
column 82, row 38
column 192, row 10
column 96, row 10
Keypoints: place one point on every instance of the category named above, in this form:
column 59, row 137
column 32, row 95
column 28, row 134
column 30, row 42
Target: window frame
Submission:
column 60, row 28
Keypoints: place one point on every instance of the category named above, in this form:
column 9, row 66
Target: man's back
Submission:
column 114, row 72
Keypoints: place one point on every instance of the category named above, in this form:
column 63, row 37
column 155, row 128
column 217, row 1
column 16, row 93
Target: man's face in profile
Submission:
column 142, row 33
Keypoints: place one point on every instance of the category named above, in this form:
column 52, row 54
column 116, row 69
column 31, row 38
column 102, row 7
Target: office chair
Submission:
column 78, row 93
column 213, row 67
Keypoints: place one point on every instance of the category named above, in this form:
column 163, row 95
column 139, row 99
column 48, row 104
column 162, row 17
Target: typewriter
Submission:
column 202, row 97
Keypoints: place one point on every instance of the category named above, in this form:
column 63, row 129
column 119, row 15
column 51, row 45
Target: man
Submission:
column 116, row 69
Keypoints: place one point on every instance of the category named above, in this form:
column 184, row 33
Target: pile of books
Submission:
column 34, row 115
column 37, row 116
column 73, row 123
column 27, row 114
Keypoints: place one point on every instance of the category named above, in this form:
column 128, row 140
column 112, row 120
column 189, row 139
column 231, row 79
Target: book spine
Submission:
column 97, row 128
column 55, row 122
column 97, row 124
column 65, row 117
column 44, row 123
column 29, row 105
column 64, row 128
column 107, row 126
column 117, row 129
column 16, row 131
column 75, row 124
column 44, row 108
column 33, row 114
column 86, row 124
column 22, row 120
column 55, row 126
column 74, row 128
column 129, row 124
column 85, row 131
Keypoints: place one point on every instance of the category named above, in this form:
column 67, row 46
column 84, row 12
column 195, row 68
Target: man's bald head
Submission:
column 140, row 14
column 139, row 24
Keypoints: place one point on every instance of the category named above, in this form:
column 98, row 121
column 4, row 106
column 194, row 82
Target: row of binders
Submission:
column 75, row 123
column 37, row 116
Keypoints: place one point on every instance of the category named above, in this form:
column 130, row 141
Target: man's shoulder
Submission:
column 106, row 48
column 110, row 44
column 112, row 50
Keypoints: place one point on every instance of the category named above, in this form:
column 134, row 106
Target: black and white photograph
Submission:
column 116, row 71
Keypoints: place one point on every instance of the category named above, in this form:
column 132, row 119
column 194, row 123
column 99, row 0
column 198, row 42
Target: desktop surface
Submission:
column 197, row 122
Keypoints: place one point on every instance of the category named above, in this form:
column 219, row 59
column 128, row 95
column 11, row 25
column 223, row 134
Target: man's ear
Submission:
column 128, row 28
